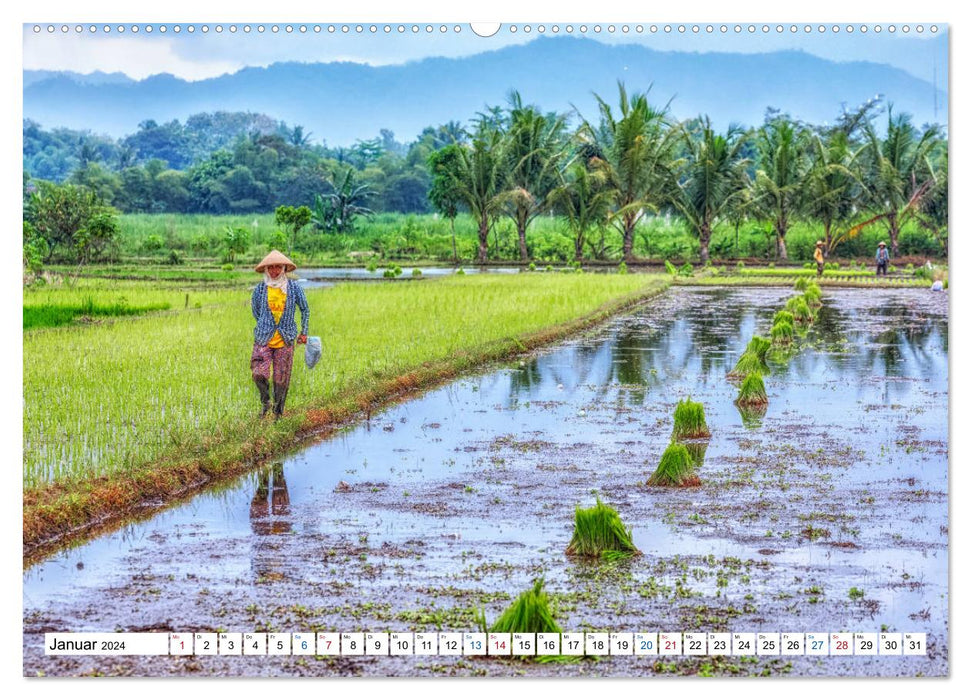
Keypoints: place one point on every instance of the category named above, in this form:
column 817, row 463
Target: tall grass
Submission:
column 530, row 612
column 103, row 399
column 599, row 532
column 689, row 420
column 675, row 469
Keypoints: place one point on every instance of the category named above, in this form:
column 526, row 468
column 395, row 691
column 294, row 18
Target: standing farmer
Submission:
column 883, row 257
column 818, row 257
column 275, row 301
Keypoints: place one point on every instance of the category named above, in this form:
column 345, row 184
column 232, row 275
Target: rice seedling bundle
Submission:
column 783, row 316
column 752, row 391
column 753, row 359
column 599, row 532
column 675, row 469
column 782, row 333
column 800, row 310
column 530, row 612
column 689, row 420
column 801, row 283
column 813, row 296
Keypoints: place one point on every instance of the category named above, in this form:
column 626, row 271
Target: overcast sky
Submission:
column 198, row 55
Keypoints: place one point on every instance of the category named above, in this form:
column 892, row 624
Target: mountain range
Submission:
column 341, row 102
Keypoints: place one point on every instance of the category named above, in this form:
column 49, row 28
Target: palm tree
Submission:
column 899, row 171
column 479, row 177
column 347, row 200
column 636, row 153
column 585, row 201
column 713, row 179
column 536, row 150
column 834, row 188
column 780, row 179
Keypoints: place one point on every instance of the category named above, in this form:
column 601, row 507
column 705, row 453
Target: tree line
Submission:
column 629, row 161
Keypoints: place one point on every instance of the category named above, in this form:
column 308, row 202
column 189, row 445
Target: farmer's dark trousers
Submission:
column 882, row 266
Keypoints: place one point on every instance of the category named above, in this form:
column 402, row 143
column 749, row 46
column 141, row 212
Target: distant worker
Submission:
column 883, row 257
column 818, row 257
column 275, row 302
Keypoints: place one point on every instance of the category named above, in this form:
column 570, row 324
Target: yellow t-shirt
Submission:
column 276, row 299
column 818, row 255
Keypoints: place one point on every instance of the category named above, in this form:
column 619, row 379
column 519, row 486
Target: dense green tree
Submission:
column 636, row 151
column 833, row 189
column 713, row 179
column 479, row 177
column 898, row 171
column 444, row 193
column 585, row 200
column 58, row 212
column 779, row 189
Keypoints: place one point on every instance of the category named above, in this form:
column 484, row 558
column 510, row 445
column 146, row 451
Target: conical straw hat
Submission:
column 275, row 257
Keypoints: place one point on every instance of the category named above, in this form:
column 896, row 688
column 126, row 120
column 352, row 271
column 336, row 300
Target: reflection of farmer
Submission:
column 883, row 257
column 269, row 511
column 275, row 301
column 818, row 257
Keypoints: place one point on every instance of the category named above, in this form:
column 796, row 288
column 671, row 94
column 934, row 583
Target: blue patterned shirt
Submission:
column 266, row 326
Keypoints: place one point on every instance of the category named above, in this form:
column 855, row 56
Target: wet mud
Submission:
column 456, row 501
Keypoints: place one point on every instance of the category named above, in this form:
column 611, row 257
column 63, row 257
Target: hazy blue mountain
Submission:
column 343, row 102
column 97, row 78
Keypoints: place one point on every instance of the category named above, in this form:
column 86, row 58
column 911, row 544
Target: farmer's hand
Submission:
column 302, row 339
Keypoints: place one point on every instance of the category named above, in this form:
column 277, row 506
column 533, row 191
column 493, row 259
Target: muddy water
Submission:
column 457, row 500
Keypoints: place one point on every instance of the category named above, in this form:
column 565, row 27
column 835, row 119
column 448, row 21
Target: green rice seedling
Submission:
column 689, row 420
column 622, row 268
column 600, row 533
column 530, row 612
column 813, row 296
column 799, row 309
column 782, row 333
column 675, row 469
column 697, row 450
column 686, row 270
column 801, row 283
column 753, row 359
column 783, row 316
column 752, row 391
column 416, row 272
column 671, row 269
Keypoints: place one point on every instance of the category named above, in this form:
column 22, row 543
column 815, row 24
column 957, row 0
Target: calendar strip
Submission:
column 487, row 644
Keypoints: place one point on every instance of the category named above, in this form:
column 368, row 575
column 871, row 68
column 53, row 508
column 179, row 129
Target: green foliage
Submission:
column 599, row 532
column 689, row 420
column 671, row 269
column 686, row 270
column 529, row 613
column 236, row 240
column 34, row 252
column 72, row 220
column 752, row 391
column 675, row 469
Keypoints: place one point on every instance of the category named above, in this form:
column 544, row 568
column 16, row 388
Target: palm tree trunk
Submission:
column 483, row 238
column 455, row 252
column 827, row 249
column 521, row 230
column 894, row 233
column 780, row 241
column 704, row 236
column 578, row 245
column 629, row 222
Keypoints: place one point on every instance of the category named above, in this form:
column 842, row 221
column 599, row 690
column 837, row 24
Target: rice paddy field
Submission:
column 520, row 495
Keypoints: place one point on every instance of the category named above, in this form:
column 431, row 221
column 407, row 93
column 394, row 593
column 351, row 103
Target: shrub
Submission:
column 530, row 612
column 599, row 532
column 752, row 391
column 675, row 469
column 689, row 420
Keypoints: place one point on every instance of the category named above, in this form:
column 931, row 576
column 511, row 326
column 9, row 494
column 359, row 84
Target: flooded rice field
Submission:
column 458, row 500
